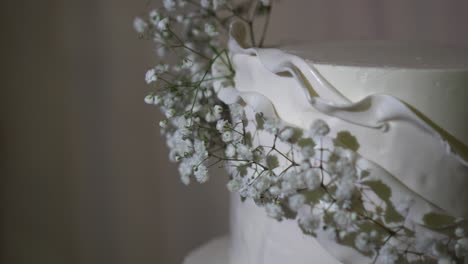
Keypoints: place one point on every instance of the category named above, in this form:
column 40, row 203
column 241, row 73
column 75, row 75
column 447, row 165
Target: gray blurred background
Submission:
column 85, row 176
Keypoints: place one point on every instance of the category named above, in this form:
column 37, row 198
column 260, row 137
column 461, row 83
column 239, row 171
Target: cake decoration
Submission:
column 357, row 209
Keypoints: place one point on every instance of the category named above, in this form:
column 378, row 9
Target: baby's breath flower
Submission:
column 312, row 179
column 296, row 201
column 461, row 247
column 154, row 17
column 363, row 242
column 307, row 219
column 459, row 232
column 169, row 5
column 139, row 25
column 230, row 151
column 210, row 30
column 170, row 113
column 319, row 128
column 201, row 173
column 227, row 136
column 149, row 99
column 388, row 255
column 161, row 68
column 151, row 76
column 187, row 63
column 163, row 24
column 342, row 219
column 274, row 211
column 265, row 2
column 234, row 185
column 163, row 123
column 272, row 125
column 244, row 152
column 218, row 109
column 286, row 134
column 205, row 3
column 221, row 125
column 275, row 190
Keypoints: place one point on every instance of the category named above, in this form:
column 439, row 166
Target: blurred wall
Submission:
column 84, row 172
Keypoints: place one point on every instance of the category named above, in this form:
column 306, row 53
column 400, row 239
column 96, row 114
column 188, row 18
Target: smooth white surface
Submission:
column 370, row 102
column 215, row 251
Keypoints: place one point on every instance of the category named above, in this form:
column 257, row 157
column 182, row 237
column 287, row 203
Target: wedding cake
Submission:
column 336, row 153
column 404, row 110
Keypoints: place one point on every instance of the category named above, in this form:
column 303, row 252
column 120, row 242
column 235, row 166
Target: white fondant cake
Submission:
column 405, row 106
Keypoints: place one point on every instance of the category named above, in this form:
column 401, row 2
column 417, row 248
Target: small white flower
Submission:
column 286, row 134
column 234, row 185
column 139, row 25
column 271, row 125
column 180, row 18
column 170, row 113
column 312, row 179
column 163, row 123
column 237, row 112
column 221, row 125
column 151, row 76
column 230, row 151
column 200, row 149
column 345, row 190
column 274, row 211
column 201, row 173
column 187, row 63
column 296, row 201
column 275, row 190
column 266, row 2
column 161, row 68
column 210, row 30
column 459, row 232
column 319, row 128
column 363, row 242
column 205, row 3
column 211, row 117
column 307, row 219
column 342, row 219
column 461, row 247
column 149, row 99
column 403, row 204
column 163, row 24
column 244, row 152
column 169, row 5
column 154, row 17
column 227, row 136
column 446, row 260
column 218, row 109
column 308, row 152
column 388, row 255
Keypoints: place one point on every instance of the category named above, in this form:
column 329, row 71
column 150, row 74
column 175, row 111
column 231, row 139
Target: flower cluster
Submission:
column 302, row 174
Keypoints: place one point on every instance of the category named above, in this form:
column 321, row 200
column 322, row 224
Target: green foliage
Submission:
column 306, row 142
column 347, row 140
column 272, row 162
column 260, row 121
column 437, row 220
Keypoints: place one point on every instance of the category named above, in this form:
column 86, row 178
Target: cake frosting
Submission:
column 426, row 156
column 407, row 113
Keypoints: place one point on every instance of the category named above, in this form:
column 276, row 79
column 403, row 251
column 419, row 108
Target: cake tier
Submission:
column 215, row 251
column 409, row 117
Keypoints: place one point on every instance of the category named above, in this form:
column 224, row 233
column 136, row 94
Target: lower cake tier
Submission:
column 259, row 239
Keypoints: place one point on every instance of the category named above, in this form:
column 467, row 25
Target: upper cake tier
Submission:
column 403, row 106
column 433, row 80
